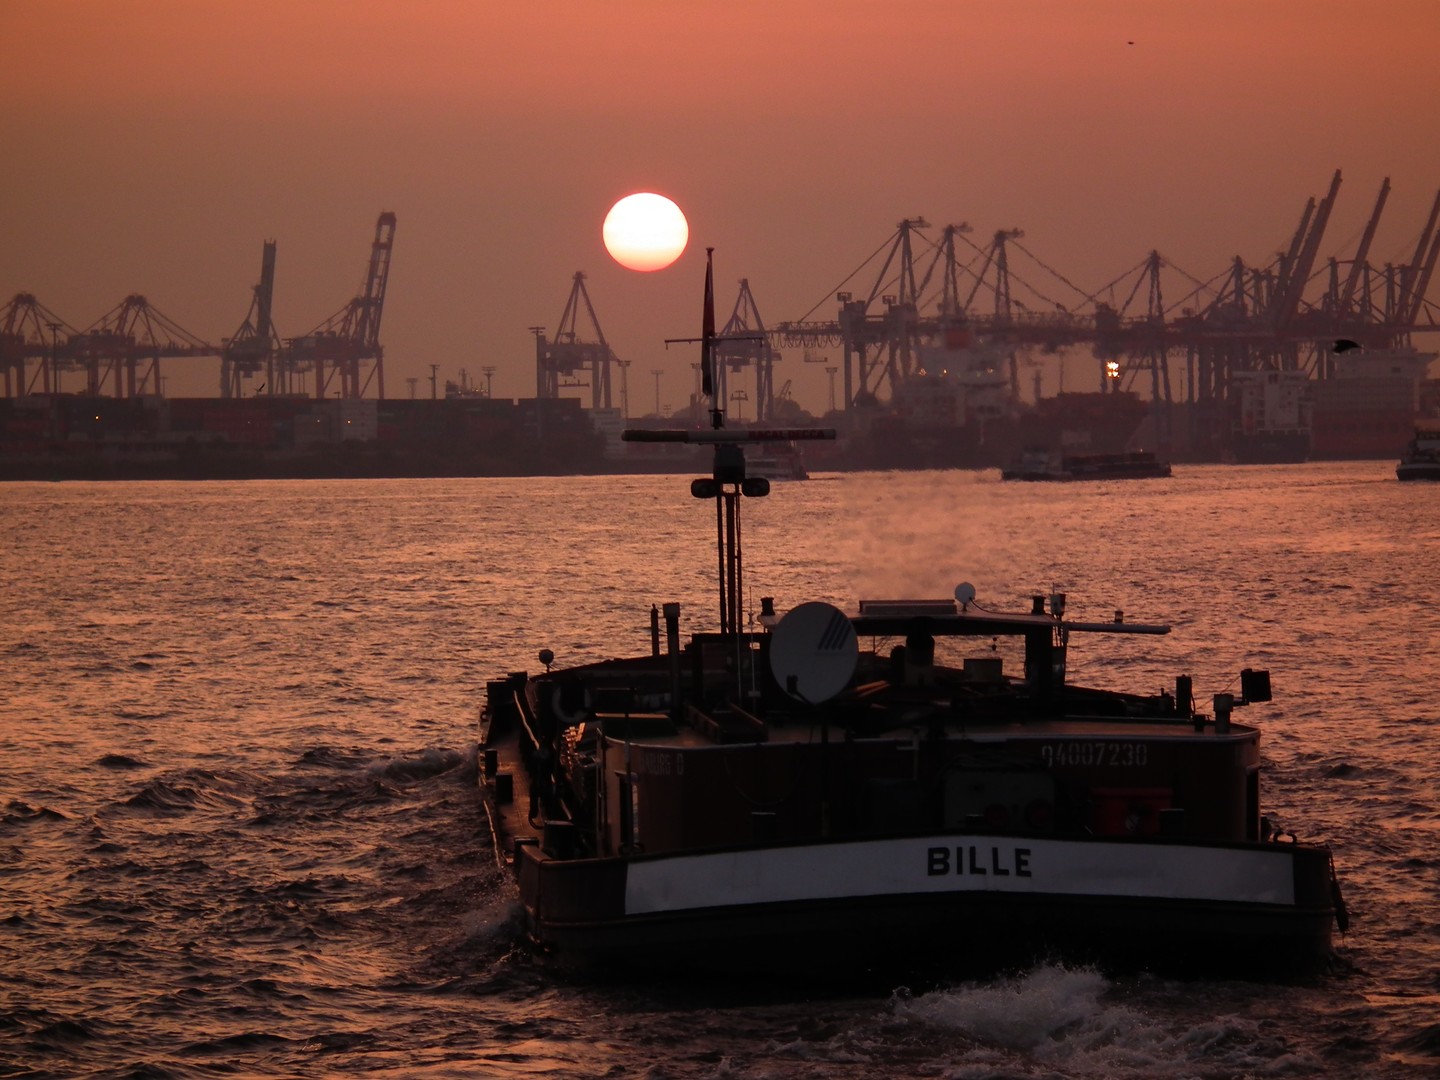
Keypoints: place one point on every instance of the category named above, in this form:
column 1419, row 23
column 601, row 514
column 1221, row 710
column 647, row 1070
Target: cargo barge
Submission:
column 916, row 787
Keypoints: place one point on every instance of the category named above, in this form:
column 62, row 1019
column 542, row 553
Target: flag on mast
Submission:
column 707, row 328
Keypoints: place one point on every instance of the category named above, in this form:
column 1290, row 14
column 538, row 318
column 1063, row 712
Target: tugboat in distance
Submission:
column 780, row 798
column 778, row 461
column 1421, row 460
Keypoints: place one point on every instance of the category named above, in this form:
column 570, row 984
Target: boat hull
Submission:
column 1142, row 472
column 1271, row 447
column 1418, row 470
column 1132, row 465
column 957, row 903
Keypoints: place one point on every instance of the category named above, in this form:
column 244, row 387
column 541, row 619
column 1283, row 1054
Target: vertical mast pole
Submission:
column 720, row 557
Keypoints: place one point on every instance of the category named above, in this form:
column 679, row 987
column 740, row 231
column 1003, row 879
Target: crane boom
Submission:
column 1422, row 283
column 254, row 344
column 352, row 334
column 368, row 307
column 1287, row 300
column 1362, row 252
column 1411, row 297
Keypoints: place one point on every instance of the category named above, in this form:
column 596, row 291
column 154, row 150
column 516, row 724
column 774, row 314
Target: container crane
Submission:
column 255, row 346
column 350, row 337
column 1415, row 277
column 893, row 332
column 742, row 343
column 124, row 348
column 30, row 331
column 571, row 356
column 1343, row 307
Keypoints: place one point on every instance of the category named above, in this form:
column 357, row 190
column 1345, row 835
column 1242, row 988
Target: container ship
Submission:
column 1272, row 417
column 1368, row 409
column 961, row 410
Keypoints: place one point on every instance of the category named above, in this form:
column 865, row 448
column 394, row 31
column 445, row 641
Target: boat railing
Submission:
column 734, row 724
column 529, row 719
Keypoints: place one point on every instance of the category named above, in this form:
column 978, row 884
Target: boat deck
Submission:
column 658, row 729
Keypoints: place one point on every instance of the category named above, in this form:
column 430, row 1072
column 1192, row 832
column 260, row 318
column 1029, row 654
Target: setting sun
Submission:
column 645, row 232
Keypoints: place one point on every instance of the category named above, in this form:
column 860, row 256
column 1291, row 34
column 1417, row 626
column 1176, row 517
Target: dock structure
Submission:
column 1223, row 347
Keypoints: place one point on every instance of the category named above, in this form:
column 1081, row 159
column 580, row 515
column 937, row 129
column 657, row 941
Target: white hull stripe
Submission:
column 950, row 864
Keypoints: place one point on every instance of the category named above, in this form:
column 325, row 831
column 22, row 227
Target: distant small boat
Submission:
column 1046, row 465
column 777, row 461
column 1421, row 460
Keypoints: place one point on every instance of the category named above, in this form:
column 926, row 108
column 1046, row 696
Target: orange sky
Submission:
column 153, row 145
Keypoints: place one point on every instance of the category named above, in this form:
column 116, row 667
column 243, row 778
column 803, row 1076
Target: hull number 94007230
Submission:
column 1096, row 753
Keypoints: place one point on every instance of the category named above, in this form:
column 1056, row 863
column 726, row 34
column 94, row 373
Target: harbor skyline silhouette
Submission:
column 153, row 151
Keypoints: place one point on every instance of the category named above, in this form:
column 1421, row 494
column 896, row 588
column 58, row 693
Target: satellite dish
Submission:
column 814, row 652
column 965, row 594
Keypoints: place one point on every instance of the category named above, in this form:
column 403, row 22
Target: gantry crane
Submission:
column 878, row 339
column 256, row 345
column 124, row 347
column 1254, row 319
column 742, row 343
column 1415, row 276
column 1259, row 319
column 30, row 331
column 882, row 343
column 572, row 356
column 1382, row 308
column 351, row 337
column 1341, row 300
column 883, row 334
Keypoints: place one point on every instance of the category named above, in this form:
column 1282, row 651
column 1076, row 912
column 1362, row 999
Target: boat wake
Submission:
column 1075, row 1021
column 1046, row 1007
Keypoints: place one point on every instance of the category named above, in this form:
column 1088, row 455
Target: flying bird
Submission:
column 1345, row 345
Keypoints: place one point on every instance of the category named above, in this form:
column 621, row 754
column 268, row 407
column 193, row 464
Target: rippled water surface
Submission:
column 238, row 829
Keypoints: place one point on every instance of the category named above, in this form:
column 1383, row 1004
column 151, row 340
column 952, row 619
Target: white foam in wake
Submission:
column 1059, row 1017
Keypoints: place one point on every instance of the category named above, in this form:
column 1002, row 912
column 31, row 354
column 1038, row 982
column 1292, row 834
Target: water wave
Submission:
column 19, row 812
column 121, row 761
column 187, row 790
column 252, row 845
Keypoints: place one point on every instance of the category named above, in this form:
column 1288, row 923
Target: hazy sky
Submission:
column 152, row 146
